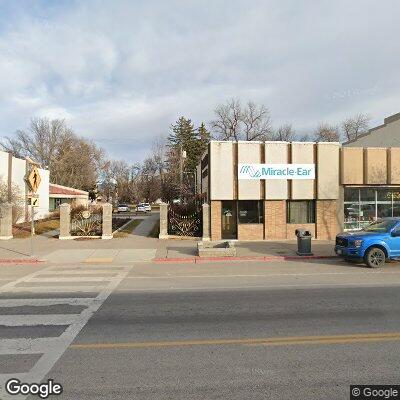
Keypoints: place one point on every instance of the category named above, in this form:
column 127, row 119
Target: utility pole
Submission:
column 182, row 157
column 181, row 170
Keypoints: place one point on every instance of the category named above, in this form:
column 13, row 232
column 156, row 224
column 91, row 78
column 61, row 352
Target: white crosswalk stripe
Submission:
column 51, row 280
column 73, row 301
column 31, row 320
column 70, row 279
column 56, row 289
column 28, row 346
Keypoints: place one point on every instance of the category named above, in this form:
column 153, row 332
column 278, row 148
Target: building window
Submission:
column 301, row 212
column 250, row 212
column 364, row 205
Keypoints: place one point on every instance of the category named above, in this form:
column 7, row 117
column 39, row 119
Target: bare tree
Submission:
column 227, row 122
column 284, row 133
column 234, row 122
column 256, row 122
column 327, row 133
column 72, row 160
column 15, row 198
column 304, row 138
column 353, row 127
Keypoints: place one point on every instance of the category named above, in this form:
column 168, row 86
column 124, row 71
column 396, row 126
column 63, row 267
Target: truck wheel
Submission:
column 375, row 257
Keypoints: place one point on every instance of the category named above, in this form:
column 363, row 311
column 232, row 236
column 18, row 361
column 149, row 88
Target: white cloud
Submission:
column 121, row 71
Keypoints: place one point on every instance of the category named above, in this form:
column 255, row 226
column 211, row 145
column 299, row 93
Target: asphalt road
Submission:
column 231, row 331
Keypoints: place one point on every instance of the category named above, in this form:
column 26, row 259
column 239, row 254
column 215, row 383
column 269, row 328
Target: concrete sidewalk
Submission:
column 283, row 248
column 136, row 248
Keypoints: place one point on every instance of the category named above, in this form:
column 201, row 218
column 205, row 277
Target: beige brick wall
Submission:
column 327, row 220
column 250, row 231
column 291, row 228
column 216, row 220
column 275, row 219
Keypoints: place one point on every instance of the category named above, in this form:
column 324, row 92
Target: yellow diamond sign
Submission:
column 34, row 179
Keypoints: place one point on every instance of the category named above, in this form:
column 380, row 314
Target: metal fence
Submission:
column 185, row 222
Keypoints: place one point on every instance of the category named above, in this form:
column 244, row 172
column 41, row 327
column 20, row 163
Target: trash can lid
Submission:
column 302, row 232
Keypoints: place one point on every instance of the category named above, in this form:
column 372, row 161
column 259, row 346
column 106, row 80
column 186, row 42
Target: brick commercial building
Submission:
column 266, row 190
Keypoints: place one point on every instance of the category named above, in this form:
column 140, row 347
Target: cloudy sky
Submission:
column 120, row 72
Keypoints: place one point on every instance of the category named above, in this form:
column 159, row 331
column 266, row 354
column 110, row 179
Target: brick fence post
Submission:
column 6, row 221
column 206, row 222
column 107, row 221
column 65, row 221
column 163, row 221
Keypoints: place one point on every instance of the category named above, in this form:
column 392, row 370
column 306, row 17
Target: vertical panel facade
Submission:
column 375, row 164
column 303, row 153
column 276, row 153
column 249, row 152
column 352, row 166
column 221, row 171
column 394, row 166
column 327, row 171
column 4, row 166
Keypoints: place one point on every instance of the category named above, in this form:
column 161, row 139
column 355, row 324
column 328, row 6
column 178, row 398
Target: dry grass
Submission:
column 128, row 229
column 46, row 226
column 22, row 231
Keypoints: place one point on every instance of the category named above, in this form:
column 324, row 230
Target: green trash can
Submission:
column 303, row 242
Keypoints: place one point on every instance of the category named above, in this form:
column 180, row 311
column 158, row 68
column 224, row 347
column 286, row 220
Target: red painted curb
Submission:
column 20, row 261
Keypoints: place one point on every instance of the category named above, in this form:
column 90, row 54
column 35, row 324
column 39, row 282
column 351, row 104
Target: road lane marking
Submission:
column 99, row 260
column 274, row 341
column 38, row 319
column 51, row 349
column 56, row 289
column 261, row 275
column 69, row 279
column 77, row 301
column 29, row 346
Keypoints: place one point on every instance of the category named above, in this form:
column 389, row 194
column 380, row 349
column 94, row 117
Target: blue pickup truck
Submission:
column 376, row 243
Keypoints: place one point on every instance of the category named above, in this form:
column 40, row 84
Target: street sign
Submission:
column 34, row 201
column 34, row 179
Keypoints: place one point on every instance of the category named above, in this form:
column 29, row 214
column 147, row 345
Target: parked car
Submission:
column 374, row 244
column 123, row 208
column 143, row 207
column 147, row 206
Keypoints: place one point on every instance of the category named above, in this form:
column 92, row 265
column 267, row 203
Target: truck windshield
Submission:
column 381, row 225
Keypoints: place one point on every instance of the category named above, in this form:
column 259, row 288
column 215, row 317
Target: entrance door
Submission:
column 228, row 220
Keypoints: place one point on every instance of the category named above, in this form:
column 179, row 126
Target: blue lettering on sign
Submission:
column 258, row 171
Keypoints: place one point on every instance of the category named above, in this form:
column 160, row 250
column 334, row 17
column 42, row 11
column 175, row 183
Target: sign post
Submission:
column 33, row 180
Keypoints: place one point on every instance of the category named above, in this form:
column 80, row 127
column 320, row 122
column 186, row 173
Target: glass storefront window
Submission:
column 250, row 212
column 384, row 203
column 396, row 203
column 351, row 208
column 301, row 212
column 367, row 206
column 364, row 205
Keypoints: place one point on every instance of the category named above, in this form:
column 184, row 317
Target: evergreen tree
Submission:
column 184, row 137
column 204, row 138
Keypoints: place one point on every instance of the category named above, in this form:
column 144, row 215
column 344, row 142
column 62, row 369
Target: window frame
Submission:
column 311, row 214
column 260, row 212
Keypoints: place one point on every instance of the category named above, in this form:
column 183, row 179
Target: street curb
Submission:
column 21, row 261
column 197, row 260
